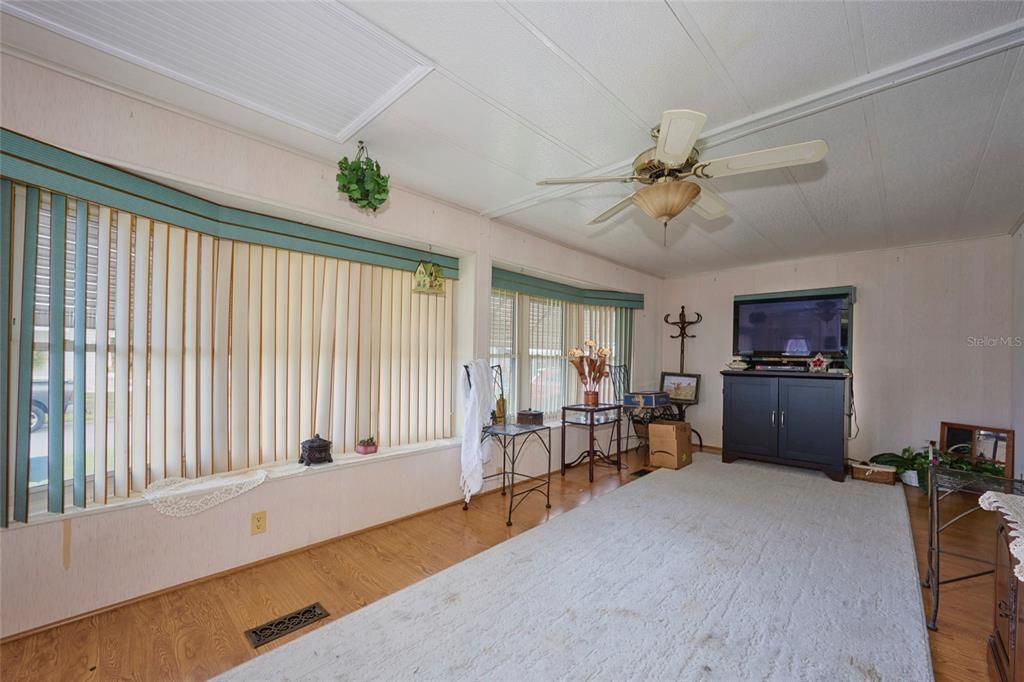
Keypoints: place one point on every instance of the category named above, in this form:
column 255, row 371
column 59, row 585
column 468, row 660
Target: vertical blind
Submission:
column 183, row 355
column 545, row 347
column 530, row 337
column 503, row 344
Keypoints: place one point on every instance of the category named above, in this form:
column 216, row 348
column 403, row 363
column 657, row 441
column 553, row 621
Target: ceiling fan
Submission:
column 666, row 170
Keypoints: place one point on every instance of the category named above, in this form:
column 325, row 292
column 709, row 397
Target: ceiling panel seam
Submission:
column 751, row 227
column 1017, row 225
column 384, row 102
column 521, row 120
column 470, row 150
column 479, row 94
column 381, row 104
column 692, row 30
column 142, row 98
column 855, row 25
column 1011, row 61
column 556, row 192
column 580, row 70
column 951, row 56
column 788, row 172
column 874, row 147
column 22, row 13
column 983, row 45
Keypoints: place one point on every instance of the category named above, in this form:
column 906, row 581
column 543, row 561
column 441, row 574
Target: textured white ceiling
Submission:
column 274, row 57
column 922, row 104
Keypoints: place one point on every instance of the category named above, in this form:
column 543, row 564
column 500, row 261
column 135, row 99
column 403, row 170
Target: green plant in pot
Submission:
column 361, row 179
column 915, row 464
column 366, row 446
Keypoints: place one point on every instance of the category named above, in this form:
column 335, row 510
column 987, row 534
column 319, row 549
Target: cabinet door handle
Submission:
column 1004, row 609
column 773, row 418
column 782, row 421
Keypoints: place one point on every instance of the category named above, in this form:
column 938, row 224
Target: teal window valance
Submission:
column 536, row 286
column 32, row 162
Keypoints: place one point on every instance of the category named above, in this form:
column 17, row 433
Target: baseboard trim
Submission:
column 228, row 571
column 251, row 564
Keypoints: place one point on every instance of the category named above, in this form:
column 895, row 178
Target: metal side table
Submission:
column 513, row 438
column 943, row 482
column 590, row 417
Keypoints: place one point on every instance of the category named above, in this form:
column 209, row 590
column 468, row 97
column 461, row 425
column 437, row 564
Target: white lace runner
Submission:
column 188, row 496
column 1012, row 507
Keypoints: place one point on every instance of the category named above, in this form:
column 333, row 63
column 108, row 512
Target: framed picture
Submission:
column 681, row 388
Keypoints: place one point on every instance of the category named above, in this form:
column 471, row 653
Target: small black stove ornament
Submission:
column 316, row 450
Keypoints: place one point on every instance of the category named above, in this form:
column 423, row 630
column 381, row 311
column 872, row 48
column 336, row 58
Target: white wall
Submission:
column 914, row 364
column 121, row 554
column 1018, row 348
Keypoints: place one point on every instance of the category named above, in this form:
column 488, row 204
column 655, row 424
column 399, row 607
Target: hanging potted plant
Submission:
column 362, row 180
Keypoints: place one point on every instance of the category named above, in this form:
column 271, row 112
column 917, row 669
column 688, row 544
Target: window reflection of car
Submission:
column 41, row 403
column 546, row 387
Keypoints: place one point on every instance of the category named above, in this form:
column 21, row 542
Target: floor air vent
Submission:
column 279, row 627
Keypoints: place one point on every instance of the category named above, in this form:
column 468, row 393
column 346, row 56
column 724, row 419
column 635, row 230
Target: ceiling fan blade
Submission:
column 678, row 131
column 622, row 205
column 586, row 181
column 766, row 159
column 709, row 204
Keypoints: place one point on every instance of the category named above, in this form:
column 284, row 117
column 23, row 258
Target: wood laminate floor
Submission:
column 197, row 631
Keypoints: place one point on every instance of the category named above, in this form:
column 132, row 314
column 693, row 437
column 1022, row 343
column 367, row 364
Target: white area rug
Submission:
column 717, row 571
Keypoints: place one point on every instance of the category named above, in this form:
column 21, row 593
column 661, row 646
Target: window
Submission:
column 503, row 343
column 185, row 355
column 530, row 336
column 545, row 354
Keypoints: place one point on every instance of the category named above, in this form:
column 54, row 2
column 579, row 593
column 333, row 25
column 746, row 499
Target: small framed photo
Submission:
column 681, row 388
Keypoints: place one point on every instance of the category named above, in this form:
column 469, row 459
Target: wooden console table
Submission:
column 1006, row 643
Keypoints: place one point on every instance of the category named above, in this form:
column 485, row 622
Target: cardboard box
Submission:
column 670, row 444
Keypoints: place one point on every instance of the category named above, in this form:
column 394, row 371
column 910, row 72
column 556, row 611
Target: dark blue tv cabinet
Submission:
column 798, row 419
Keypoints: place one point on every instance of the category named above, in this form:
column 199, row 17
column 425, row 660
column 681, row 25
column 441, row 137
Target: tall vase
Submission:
column 590, row 398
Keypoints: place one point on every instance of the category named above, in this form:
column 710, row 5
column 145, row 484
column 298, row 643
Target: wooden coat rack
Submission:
column 682, row 324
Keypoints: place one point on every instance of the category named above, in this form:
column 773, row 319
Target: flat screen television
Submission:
column 793, row 326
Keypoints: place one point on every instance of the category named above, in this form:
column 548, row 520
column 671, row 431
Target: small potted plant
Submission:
column 366, row 446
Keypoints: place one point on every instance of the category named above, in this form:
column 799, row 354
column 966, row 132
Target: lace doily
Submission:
column 187, row 496
column 1012, row 507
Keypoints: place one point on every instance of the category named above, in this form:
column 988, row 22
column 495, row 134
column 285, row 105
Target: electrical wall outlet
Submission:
column 258, row 523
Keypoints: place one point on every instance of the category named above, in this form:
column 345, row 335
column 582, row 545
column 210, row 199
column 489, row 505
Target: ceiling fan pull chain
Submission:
column 665, row 238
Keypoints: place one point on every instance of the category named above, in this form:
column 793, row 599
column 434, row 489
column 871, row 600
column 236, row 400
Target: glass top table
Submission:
column 513, row 440
column 590, row 417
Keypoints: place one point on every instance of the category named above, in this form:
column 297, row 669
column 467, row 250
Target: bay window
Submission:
column 533, row 324
column 143, row 349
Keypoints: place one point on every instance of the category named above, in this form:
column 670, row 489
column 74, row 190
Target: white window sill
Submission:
column 38, row 492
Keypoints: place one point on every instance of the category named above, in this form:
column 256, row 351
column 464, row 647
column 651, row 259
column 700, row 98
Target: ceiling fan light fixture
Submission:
column 663, row 201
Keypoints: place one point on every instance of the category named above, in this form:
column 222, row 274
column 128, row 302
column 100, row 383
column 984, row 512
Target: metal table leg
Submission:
column 511, row 483
column 564, row 429
column 590, row 446
column 547, row 493
column 618, row 442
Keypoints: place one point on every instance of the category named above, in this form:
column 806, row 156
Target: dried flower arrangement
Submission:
column 591, row 364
